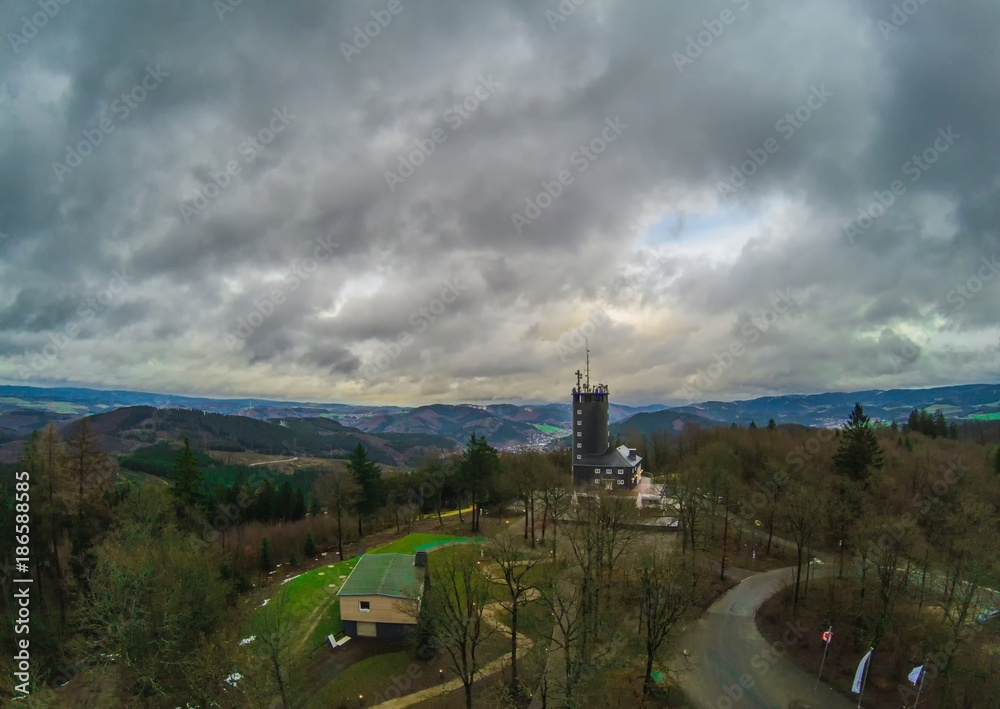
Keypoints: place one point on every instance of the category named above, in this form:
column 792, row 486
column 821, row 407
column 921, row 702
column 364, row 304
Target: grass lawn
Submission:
column 370, row 677
column 412, row 543
column 313, row 608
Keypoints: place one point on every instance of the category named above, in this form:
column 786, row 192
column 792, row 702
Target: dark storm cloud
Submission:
column 269, row 130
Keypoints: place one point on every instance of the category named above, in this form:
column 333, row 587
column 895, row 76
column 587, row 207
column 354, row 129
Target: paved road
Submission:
column 731, row 666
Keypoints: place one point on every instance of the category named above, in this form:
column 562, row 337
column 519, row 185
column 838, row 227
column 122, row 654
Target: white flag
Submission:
column 914, row 675
column 860, row 674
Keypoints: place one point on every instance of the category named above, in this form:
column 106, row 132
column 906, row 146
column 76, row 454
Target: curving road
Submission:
column 727, row 664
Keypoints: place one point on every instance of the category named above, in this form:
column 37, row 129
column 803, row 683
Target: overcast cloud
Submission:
column 403, row 202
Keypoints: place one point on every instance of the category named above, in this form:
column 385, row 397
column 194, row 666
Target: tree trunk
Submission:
column 725, row 541
column 532, row 521
column 513, row 645
column 525, row 501
column 647, row 683
column 340, row 533
column 798, row 576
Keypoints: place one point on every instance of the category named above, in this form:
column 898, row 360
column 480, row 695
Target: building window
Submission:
column 621, row 482
column 608, row 471
column 579, row 411
column 579, row 422
column 365, row 606
column 621, row 471
column 579, row 433
column 579, row 445
column 597, row 481
column 579, row 457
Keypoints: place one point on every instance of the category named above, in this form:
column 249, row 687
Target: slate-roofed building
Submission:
column 374, row 598
column 595, row 461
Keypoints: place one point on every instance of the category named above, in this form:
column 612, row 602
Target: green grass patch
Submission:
column 313, row 606
column 985, row 417
column 369, row 677
column 548, row 428
column 413, row 543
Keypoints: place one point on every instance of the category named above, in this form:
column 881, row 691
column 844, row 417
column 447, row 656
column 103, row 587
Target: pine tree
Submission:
column 771, row 425
column 309, row 548
column 940, row 425
column 753, row 424
column 368, row 475
column 266, row 562
column 299, row 505
column 187, row 479
column 479, row 464
column 859, row 452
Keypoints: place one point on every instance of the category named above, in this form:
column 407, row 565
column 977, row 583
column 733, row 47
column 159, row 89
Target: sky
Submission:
column 393, row 202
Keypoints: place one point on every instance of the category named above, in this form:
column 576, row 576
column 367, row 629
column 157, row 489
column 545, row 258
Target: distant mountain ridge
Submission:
column 24, row 409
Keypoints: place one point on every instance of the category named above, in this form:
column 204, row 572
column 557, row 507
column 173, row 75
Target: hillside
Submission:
column 128, row 429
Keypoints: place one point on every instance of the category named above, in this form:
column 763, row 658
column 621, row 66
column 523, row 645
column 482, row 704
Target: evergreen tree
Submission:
column 314, row 506
column 859, row 452
column 479, row 464
column 266, row 562
column 913, row 422
column 309, row 548
column 753, row 424
column 953, row 431
column 894, row 427
column 187, row 479
column 771, row 425
column 940, row 425
column 299, row 506
column 368, row 476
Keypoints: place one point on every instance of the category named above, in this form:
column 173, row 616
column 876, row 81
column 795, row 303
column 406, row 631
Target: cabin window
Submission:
column 621, row 471
column 621, row 482
column 365, row 606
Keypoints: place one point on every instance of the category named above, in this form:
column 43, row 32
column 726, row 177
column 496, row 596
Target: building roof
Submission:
column 392, row 575
column 620, row 457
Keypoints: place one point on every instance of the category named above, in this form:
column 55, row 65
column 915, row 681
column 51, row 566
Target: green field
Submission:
column 548, row 428
column 313, row 608
column 985, row 417
column 368, row 677
column 412, row 543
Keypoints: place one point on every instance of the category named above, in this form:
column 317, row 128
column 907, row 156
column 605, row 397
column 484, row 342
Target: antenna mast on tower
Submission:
column 587, row 340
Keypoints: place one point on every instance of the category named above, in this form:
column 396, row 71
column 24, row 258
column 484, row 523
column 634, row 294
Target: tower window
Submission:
column 579, row 445
column 579, row 411
column 578, row 456
column 621, row 471
column 579, row 433
column 621, row 482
